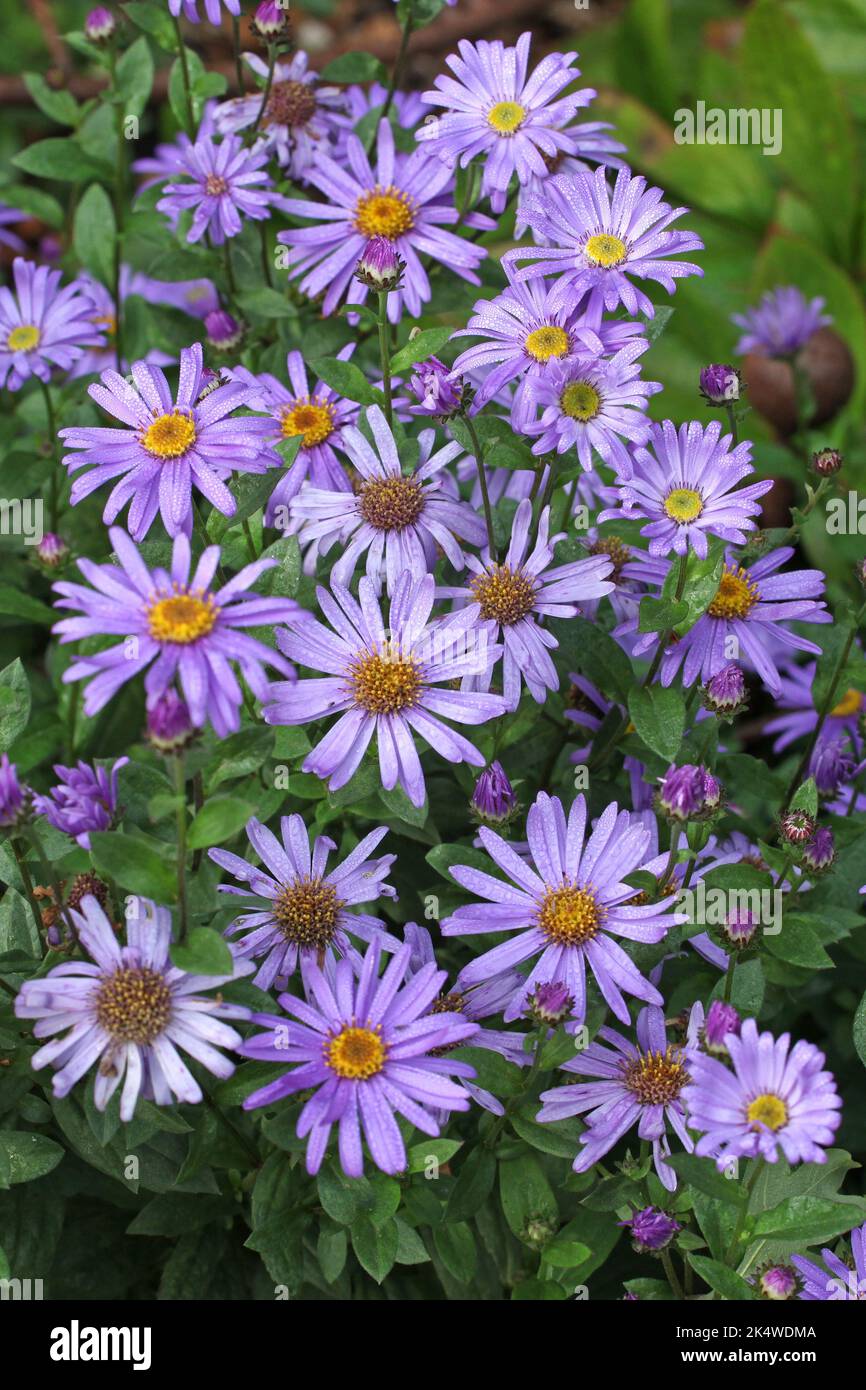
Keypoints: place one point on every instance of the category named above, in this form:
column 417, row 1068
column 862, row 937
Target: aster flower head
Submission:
column 819, row 854
column 370, row 1050
column 384, row 684
column 651, row 1230
column 437, row 390
column 565, row 906
column 593, row 405
column 836, row 1280
column 189, row 8
column 493, row 109
column 85, row 799
column 180, row 626
column 720, row 384
column 684, row 484
column 688, row 792
column 404, row 198
column 636, row 1083
column 549, row 1003
column 99, row 24
column 493, row 800
column 739, row 928
column 224, row 333
column 508, row 601
column 130, row 1013
column 302, row 118
column 168, row 445
column 13, row 797
column 721, row 1020
column 782, row 322
column 52, row 552
column 827, row 462
column 596, row 240
column 169, row 723
column 223, row 183
column 397, row 519
column 832, row 766
column 592, row 145
column 379, row 267
column 42, row 327
column 798, row 716
column 775, row 1098
column 725, row 693
column 796, row 826
column 304, row 909
column 270, row 19
column 777, row 1283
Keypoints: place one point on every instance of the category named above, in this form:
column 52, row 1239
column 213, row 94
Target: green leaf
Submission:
column 566, row 1254
column 332, row 1248
column 721, row 1279
column 659, row 716
column 374, row 1246
column 155, row 20
column 439, row 1149
column 16, row 604
column 347, row 379
column 474, row 1184
column 266, row 303
column 808, row 1220
column 426, row 344
column 455, row 1246
column 527, row 1198
column 25, row 1156
column 492, row 1072
column 702, row 1174
column 60, row 106
column 587, row 648
column 443, row 858
column 94, row 233
column 354, row 67
column 701, row 584
column 134, row 75
column 661, row 614
column 798, row 944
column 806, row 798
column 134, row 865
column 14, row 703
column 219, row 819
column 59, row 159
column 204, row 952
column 860, row 1030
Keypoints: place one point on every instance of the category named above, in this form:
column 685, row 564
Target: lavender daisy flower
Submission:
column 305, row 909
column 593, row 404
column 131, row 1014
column 169, row 445
column 301, row 117
column 837, row 1281
column 85, row 799
column 405, row 198
column 177, row 623
column 383, row 685
column 227, row 182
column 567, row 908
column 366, row 1047
column 775, row 1097
column 212, row 9
column 8, row 217
column 169, row 157
column 41, row 325
column 752, row 606
column 782, row 322
column 494, row 110
column 596, row 240
column 798, row 716
column 398, row 519
column 683, row 483
column 506, row 601
column 638, row 1084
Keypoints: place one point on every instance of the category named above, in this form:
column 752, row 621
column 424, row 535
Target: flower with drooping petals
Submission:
column 85, row 799
column 651, row 1229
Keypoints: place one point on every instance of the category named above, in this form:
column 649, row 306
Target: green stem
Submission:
column 670, row 1272
column 676, row 831
column 729, row 976
column 482, row 483
column 385, row 352
column 236, row 44
column 72, row 719
column 187, row 85
column 24, row 871
column 662, row 646
column 180, row 791
column 732, row 421
column 400, row 64
column 744, row 1211
column 272, row 62
column 248, row 537
column 119, row 208
column 266, row 260
column 230, row 272
column 54, row 495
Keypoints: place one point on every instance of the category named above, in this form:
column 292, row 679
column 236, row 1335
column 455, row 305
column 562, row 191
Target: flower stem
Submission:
column 670, row 1273
column 187, row 85
column 19, row 852
column 666, row 637
column 729, row 976
column 732, row 421
column 230, row 271
column 272, row 62
column 385, row 353
column 54, row 499
column 236, row 44
column 119, row 204
column 744, row 1211
column 482, row 483
column 180, row 790
column 400, row 64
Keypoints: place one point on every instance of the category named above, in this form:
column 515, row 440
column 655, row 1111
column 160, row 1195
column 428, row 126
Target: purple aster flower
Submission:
column 832, row 766
column 270, row 19
column 131, row 1014
column 176, row 622
column 593, row 147
column 212, row 9
column 750, row 613
column 549, row 1003
column 384, row 684
column 169, row 723
column 596, row 240
column 437, row 390
column 775, row 1097
column 405, row 198
column 506, row 602
column 366, row 1048
column 226, row 182
column 683, row 484
column 593, row 404
column 493, row 800
column 305, row 909
column 837, row 1280
column 799, row 717
column 99, row 24
column 224, row 333
column 780, row 325
column 819, row 854
column 725, row 693
column 41, row 325
column 777, row 1282
column 638, row 1083
column 651, row 1229
column 565, row 906
column 720, row 384
column 9, row 216
column 168, row 446
column 493, row 109
column 379, row 267
column 85, row 799
column 397, row 519
column 12, row 794
column 687, row 792
column 317, row 418
column 721, row 1020
column 301, row 118
column 168, row 160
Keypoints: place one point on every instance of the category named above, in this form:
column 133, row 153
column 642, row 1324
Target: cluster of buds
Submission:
column 720, row 384
column 169, row 724
column 725, row 694
column 494, row 801
column 689, row 793
column 379, row 267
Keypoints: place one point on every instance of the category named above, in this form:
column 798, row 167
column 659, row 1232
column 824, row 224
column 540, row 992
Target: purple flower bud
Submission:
column 712, row 791
column 550, row 1003
column 100, row 24
column 689, row 792
column 379, row 267
column 169, row 726
column 796, row 827
column 629, row 1297
column 493, row 800
column 720, row 384
column 725, row 692
column 826, row 462
column 831, row 766
column 50, row 248
column 13, row 798
column 436, row 390
column 721, row 1020
column 84, row 799
column 52, row 551
column 651, row 1229
column 270, row 19
column 778, row 1282
column 819, row 854
column 223, row 330
column 739, row 929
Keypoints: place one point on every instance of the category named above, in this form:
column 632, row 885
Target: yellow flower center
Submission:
column 306, row 912
column 169, row 436
column 313, row 420
column 356, row 1053
column 684, row 504
column 506, row 117
column 386, row 212
column 215, row 185
column 736, row 595
column 580, row 400
column 134, row 1005
column 767, row 1111
column 605, row 250
column 182, row 618
column 385, row 682
column 390, row 504
column 569, row 916
column 23, row 338
column 503, row 595
column 850, row 703
column 656, row 1078
column 547, row 342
